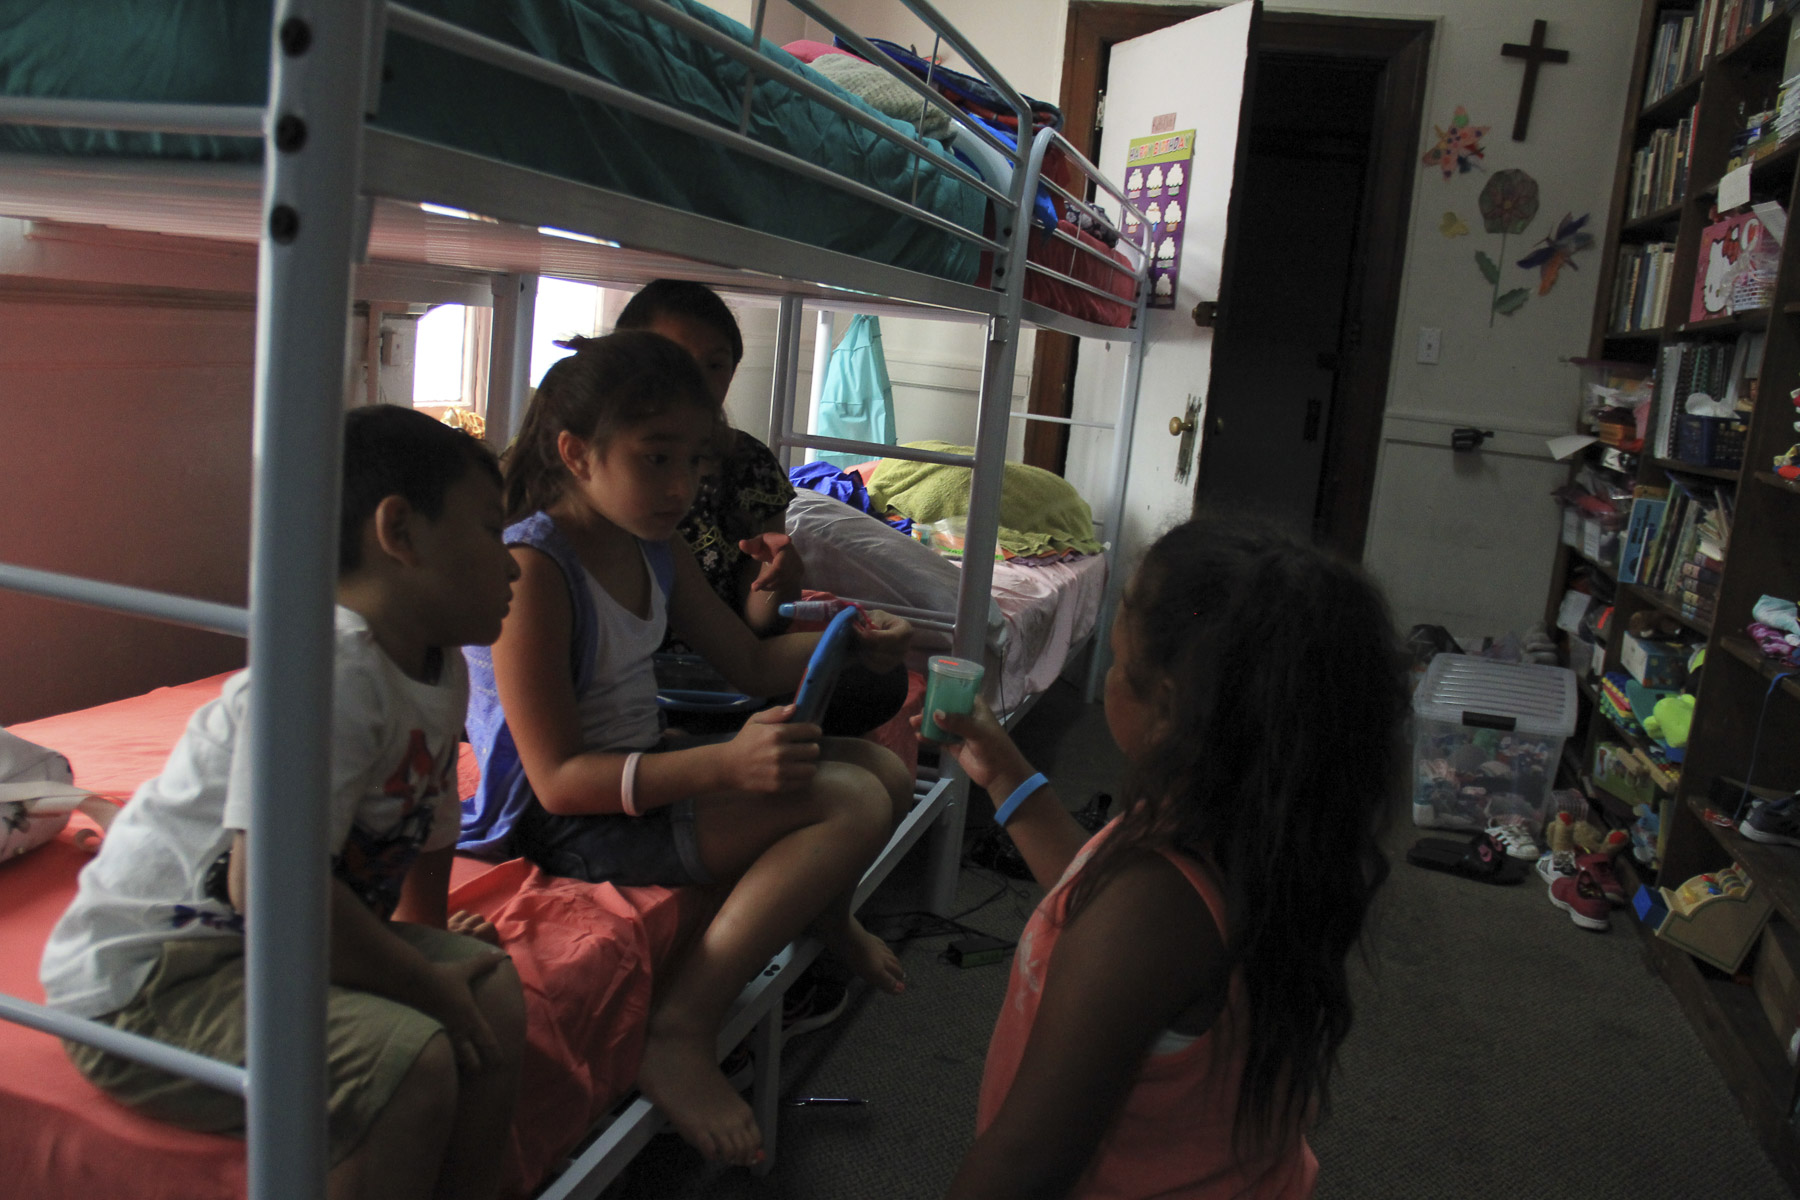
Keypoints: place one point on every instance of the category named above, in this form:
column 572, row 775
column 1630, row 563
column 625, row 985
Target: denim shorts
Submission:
column 659, row 848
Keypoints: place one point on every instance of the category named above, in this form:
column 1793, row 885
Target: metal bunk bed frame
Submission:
column 326, row 182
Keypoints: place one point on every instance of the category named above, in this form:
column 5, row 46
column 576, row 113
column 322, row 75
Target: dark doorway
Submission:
column 1365, row 78
column 1296, row 220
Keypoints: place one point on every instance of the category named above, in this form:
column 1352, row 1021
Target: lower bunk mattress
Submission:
column 586, row 954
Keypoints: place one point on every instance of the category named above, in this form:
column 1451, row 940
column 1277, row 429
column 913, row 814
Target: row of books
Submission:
column 1675, row 543
column 1686, row 38
column 1681, row 46
column 1738, row 17
column 1726, row 372
column 1641, row 286
column 1659, row 171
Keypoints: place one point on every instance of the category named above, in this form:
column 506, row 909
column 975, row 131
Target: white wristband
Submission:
column 628, row 784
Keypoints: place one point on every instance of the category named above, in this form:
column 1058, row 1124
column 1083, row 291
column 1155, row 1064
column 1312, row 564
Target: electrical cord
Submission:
column 1756, row 743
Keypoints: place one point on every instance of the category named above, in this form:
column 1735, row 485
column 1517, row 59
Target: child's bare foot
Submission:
column 681, row 1078
column 870, row 958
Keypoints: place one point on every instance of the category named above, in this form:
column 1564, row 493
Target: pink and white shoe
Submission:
column 1580, row 896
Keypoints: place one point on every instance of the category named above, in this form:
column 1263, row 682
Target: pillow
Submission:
column 1041, row 513
column 858, row 557
column 811, row 52
column 884, row 93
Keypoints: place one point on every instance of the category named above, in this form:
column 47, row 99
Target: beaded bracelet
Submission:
column 1019, row 795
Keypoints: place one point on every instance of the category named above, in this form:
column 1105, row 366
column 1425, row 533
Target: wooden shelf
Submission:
column 1776, row 869
column 1656, row 222
column 1610, row 571
column 1674, row 103
column 1753, row 318
column 1669, row 608
column 1726, row 1015
column 1728, row 474
column 1729, row 1022
column 1745, row 651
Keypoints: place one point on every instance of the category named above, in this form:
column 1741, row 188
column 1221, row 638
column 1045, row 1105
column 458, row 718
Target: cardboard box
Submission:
column 1654, row 664
column 1776, row 978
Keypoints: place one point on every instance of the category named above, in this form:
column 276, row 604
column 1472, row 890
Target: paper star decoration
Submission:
column 1457, row 147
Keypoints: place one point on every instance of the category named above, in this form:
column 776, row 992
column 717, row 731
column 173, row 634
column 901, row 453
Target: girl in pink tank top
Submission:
column 1178, row 998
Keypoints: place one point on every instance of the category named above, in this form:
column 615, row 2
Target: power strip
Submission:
column 977, row 951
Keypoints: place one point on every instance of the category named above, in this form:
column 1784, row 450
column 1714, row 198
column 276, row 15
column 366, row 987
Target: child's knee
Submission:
column 895, row 781
column 856, row 799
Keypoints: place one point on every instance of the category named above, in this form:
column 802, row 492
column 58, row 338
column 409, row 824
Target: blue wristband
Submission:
column 1020, row 794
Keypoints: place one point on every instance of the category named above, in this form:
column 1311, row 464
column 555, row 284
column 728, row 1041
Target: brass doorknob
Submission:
column 1177, row 426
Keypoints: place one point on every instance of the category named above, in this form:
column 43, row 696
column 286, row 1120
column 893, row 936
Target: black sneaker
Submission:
column 813, row 1003
column 1772, row 822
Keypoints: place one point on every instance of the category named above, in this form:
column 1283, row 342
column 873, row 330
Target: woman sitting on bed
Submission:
column 737, row 527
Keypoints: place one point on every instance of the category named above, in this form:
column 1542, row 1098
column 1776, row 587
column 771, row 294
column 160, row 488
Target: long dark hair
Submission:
column 682, row 298
column 608, row 385
column 1278, row 764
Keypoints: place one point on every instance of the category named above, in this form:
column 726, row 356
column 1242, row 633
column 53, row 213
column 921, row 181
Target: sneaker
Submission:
column 813, row 1003
column 1516, row 840
column 1558, row 864
column 1581, row 898
column 1600, row 867
column 1772, row 822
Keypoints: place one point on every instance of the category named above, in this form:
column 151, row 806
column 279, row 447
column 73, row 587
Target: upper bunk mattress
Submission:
column 217, row 52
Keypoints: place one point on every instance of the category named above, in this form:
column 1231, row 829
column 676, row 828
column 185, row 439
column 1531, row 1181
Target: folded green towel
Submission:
column 1040, row 512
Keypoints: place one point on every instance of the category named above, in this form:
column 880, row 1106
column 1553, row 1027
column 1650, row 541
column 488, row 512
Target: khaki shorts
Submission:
column 195, row 1000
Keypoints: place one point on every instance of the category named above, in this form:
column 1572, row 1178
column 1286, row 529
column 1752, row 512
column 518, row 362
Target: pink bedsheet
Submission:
column 586, row 955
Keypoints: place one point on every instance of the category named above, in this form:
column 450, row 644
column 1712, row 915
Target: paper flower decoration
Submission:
column 1508, row 202
column 1549, row 255
column 1458, row 146
column 1453, row 226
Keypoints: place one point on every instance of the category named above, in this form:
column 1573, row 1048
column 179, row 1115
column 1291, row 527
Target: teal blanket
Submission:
column 216, row 51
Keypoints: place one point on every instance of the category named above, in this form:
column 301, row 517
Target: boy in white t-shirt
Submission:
column 425, row 1023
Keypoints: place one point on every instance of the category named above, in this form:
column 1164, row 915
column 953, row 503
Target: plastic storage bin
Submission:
column 1710, row 441
column 1487, row 737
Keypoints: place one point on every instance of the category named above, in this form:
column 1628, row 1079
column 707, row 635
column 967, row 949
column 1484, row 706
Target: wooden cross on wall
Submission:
column 1535, row 55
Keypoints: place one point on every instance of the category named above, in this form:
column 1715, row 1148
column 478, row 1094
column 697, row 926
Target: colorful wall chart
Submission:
column 1157, row 172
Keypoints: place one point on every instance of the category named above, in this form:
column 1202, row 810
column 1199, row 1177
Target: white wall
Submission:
column 1465, row 541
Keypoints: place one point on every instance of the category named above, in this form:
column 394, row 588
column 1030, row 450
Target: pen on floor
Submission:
column 826, row 1101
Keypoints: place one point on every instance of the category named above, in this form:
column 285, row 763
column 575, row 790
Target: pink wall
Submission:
column 125, row 425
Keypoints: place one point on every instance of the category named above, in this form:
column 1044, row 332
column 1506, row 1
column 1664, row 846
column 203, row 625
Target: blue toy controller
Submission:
column 828, row 659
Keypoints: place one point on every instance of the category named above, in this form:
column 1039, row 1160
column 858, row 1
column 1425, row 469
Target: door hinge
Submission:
column 1100, row 111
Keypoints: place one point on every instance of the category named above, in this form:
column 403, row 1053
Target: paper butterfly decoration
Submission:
column 1453, row 226
column 1550, row 255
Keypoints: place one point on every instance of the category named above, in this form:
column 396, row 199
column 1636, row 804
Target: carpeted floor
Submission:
column 1499, row 1051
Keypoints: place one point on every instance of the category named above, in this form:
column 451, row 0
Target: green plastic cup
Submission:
column 951, row 685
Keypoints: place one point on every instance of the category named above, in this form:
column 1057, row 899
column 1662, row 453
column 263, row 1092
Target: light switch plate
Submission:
column 1428, row 344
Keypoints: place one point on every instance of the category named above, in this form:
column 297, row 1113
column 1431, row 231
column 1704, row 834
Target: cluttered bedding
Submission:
column 216, row 52
column 891, row 531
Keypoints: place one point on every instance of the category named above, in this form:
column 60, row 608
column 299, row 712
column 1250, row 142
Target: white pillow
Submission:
column 856, row 556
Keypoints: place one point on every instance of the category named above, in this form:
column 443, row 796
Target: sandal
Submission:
column 1481, row 858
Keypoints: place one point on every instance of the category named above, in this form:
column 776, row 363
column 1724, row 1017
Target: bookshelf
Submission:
column 1703, row 69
